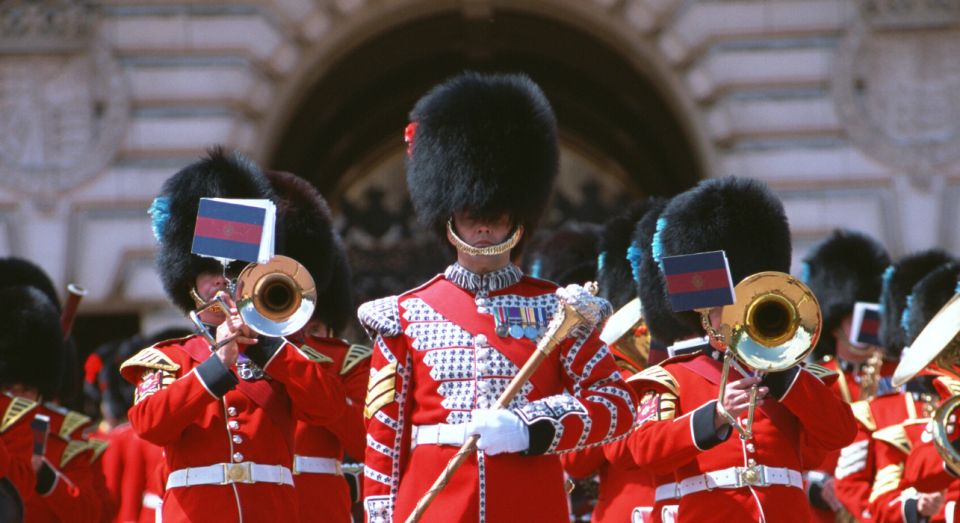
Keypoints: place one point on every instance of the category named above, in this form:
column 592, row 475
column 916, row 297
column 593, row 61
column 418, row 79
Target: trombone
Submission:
column 773, row 324
column 274, row 299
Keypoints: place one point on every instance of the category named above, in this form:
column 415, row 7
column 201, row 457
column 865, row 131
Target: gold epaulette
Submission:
column 98, row 446
column 355, row 354
column 151, row 358
column 16, row 410
column 952, row 384
column 381, row 390
column 657, row 374
column 314, row 355
column 819, row 371
column 895, row 435
column 861, row 411
column 71, row 422
column 887, row 479
column 74, row 448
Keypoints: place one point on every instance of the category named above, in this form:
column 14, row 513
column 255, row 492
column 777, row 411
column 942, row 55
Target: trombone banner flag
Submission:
column 865, row 328
column 698, row 281
column 234, row 229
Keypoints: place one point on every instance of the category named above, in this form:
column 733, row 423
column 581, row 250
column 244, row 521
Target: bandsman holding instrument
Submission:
column 224, row 406
column 482, row 157
column 697, row 403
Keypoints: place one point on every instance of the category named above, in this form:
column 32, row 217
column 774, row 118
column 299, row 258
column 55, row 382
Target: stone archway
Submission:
column 626, row 128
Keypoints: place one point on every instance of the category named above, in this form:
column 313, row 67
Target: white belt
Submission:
column 226, row 473
column 316, row 465
column 151, row 500
column 733, row 477
column 441, row 434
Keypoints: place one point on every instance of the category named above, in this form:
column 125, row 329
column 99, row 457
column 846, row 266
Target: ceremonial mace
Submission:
column 577, row 306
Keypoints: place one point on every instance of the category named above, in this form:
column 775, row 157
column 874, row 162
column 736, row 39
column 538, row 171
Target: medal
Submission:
column 516, row 331
column 531, row 332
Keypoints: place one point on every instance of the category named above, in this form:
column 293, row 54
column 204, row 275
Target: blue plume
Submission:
column 957, row 290
column 634, row 255
column 887, row 276
column 805, row 273
column 536, row 268
column 600, row 259
column 159, row 212
column 656, row 247
column 905, row 316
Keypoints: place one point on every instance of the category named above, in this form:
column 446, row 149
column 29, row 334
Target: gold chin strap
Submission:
column 492, row 250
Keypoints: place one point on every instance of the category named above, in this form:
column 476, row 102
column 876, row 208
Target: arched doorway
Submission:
column 622, row 134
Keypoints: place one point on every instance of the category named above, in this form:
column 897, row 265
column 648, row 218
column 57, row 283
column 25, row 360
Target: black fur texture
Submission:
column 928, row 296
column 738, row 215
column 485, row 144
column 31, row 342
column 566, row 255
column 18, row 271
column 843, row 269
column 898, row 282
column 615, row 277
column 218, row 175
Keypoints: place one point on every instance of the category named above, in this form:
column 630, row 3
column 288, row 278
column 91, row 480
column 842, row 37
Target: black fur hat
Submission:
column 335, row 303
column 20, row 272
column 738, row 215
column 566, row 255
column 898, row 282
column 928, row 296
column 31, row 342
column 662, row 322
column 841, row 270
column 219, row 175
column 483, row 143
column 615, row 272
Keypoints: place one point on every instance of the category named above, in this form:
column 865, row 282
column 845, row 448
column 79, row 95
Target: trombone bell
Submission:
column 944, row 429
column 937, row 344
column 276, row 298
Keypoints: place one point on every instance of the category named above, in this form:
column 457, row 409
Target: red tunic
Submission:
column 428, row 370
column 679, row 399
column 351, row 363
column 16, row 443
column 202, row 416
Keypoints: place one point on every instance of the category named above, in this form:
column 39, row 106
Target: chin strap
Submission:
column 492, row 250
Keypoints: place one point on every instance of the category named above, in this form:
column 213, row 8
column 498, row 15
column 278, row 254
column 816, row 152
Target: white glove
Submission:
column 500, row 431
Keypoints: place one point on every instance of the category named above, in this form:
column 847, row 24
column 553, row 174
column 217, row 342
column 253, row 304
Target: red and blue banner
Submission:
column 865, row 328
column 698, row 281
column 228, row 230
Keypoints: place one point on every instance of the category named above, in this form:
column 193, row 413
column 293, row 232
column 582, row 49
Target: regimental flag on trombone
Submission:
column 698, row 281
column 865, row 328
column 235, row 229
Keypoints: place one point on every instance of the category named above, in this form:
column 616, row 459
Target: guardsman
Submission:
column 841, row 270
column 856, row 473
column 224, row 418
column 718, row 477
column 934, row 496
column 308, row 237
column 29, row 303
column 566, row 255
column 482, row 157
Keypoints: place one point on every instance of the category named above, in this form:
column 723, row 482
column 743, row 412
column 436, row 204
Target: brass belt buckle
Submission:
column 237, row 473
column 751, row 476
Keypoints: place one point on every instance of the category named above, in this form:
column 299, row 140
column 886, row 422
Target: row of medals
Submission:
column 516, row 322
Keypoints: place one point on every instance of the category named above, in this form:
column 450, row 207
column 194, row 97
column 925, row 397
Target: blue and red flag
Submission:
column 698, row 281
column 229, row 230
column 865, row 328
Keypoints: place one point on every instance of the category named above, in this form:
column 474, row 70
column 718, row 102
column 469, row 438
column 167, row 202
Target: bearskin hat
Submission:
column 898, row 282
column 738, row 215
column 31, row 342
column 616, row 274
column 663, row 324
column 219, row 175
column 485, row 144
column 20, row 272
column 566, row 255
column 335, row 303
column 928, row 296
column 843, row 269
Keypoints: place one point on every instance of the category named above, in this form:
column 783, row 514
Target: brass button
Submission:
column 751, row 448
column 233, row 425
column 238, row 457
column 237, row 439
column 231, row 411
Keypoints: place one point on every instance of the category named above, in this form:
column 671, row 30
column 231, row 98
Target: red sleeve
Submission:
column 316, row 395
column 16, row 450
column 581, row 464
column 828, row 422
column 854, row 473
column 74, row 498
column 887, row 503
column 924, row 469
column 350, row 428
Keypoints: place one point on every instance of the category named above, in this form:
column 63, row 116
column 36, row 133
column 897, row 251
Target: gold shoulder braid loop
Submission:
column 492, row 250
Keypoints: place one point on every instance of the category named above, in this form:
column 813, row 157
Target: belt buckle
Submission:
column 237, row 473
column 751, row 476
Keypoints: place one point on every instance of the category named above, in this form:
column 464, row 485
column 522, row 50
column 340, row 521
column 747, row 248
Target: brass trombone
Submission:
column 274, row 299
column 625, row 333
column 772, row 326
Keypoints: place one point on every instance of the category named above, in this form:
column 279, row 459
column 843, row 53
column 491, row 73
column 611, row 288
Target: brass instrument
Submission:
column 274, row 299
column 944, row 427
column 772, row 326
column 75, row 293
column 870, row 380
column 626, row 334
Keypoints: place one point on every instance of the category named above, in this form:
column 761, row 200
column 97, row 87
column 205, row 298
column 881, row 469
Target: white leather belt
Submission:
column 151, row 500
column 316, row 465
column 733, row 477
column 227, row 473
column 441, row 434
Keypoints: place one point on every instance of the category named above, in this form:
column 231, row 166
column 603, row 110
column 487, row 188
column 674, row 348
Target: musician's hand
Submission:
column 828, row 494
column 929, row 503
column 736, row 399
column 232, row 327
